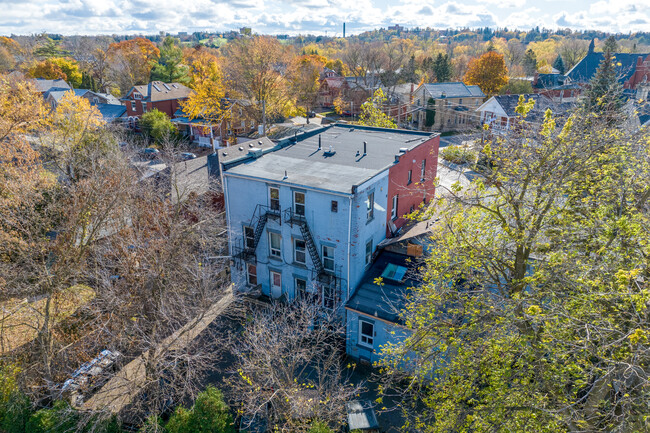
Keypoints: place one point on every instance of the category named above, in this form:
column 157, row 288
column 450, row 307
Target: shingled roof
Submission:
column 585, row 69
column 159, row 91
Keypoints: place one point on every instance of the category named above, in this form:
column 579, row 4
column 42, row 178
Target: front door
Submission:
column 276, row 284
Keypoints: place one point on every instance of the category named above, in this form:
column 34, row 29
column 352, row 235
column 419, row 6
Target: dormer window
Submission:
column 137, row 95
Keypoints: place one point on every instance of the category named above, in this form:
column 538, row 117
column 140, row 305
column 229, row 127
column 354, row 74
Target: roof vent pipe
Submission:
column 365, row 149
column 319, row 141
column 285, row 174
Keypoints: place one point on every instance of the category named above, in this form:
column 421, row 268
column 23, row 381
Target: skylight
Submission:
column 394, row 272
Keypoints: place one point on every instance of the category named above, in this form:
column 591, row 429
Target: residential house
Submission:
column 316, row 205
column 239, row 121
column 373, row 312
column 165, row 97
column 553, row 86
column 54, row 95
column 360, row 89
column 43, row 86
column 446, row 106
column 630, row 69
column 331, row 87
column 499, row 113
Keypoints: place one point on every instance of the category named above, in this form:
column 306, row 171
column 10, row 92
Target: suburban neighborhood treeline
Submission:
column 385, row 280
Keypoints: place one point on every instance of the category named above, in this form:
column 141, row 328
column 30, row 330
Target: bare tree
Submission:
column 572, row 50
column 290, row 368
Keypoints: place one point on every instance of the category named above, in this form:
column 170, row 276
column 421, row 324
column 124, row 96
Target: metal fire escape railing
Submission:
column 292, row 218
column 260, row 217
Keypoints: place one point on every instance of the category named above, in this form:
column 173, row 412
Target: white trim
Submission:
column 371, row 337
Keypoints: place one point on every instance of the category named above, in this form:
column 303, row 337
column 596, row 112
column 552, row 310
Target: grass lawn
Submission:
column 21, row 319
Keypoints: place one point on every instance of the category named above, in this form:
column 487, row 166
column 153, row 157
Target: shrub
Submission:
column 156, row 124
column 459, row 155
column 209, row 414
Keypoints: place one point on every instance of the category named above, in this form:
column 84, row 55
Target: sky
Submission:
column 79, row 17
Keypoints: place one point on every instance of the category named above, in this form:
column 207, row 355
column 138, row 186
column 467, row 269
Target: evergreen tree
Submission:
column 559, row 64
column 408, row 72
column 605, row 94
column 611, row 45
column 169, row 67
column 530, row 62
column 442, row 68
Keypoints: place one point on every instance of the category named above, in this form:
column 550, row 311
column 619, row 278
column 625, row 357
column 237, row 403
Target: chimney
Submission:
column 319, row 141
column 365, row 147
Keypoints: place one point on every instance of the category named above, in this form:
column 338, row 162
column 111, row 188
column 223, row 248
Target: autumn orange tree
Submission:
column 47, row 70
column 131, row 62
column 489, row 72
column 304, row 73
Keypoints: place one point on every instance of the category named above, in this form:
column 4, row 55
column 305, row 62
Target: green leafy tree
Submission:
column 610, row 45
column 170, row 67
column 153, row 424
column 88, row 82
column 430, row 116
column 559, row 64
column 532, row 313
column 319, row 427
column 530, row 62
column 209, row 414
column 60, row 418
column 517, row 87
column 50, row 48
column 372, row 114
column 156, row 125
column 442, row 68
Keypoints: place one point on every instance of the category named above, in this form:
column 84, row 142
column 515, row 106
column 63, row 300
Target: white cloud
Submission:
column 312, row 16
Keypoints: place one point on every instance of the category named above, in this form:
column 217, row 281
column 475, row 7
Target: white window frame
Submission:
column 423, row 170
column 296, row 251
column 271, row 199
column 329, row 302
column 393, row 209
column 297, row 205
column 370, row 206
column 365, row 339
column 247, row 238
column 248, row 274
column 328, row 259
column 368, row 252
column 275, row 252
column 271, row 283
column 410, row 178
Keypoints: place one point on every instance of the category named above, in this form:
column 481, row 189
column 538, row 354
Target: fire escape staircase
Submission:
column 324, row 276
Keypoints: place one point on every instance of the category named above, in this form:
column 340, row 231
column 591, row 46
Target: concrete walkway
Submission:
column 120, row 390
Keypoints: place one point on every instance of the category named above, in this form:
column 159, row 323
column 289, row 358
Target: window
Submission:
column 394, row 272
column 275, row 244
column 137, row 95
column 370, row 205
column 335, row 206
column 423, row 170
column 410, row 177
column 460, row 101
column 276, row 281
column 299, row 203
column 299, row 251
column 251, row 274
column 393, row 210
column 249, row 237
column 274, row 194
column 366, row 333
column 301, row 288
column 368, row 252
column 328, row 258
column 329, row 297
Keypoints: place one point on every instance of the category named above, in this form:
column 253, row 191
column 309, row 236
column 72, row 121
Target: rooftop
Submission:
column 159, row 91
column 585, row 69
column 453, row 90
column 387, row 300
column 339, row 164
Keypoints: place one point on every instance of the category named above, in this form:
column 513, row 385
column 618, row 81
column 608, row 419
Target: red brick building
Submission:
column 165, row 97
column 411, row 181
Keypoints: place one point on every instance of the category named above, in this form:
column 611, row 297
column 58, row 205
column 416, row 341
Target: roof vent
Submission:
column 251, row 145
column 224, row 153
column 358, row 153
column 285, row 174
column 319, row 141
column 365, row 147
column 241, row 148
column 330, row 152
column 259, row 142
column 403, row 149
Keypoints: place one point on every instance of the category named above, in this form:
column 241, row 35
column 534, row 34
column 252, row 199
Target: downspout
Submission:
column 349, row 242
column 227, row 201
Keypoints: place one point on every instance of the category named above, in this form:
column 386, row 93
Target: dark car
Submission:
column 150, row 152
column 311, row 114
column 185, row 156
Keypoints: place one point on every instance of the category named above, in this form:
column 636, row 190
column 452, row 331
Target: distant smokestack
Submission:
column 343, row 29
column 365, row 149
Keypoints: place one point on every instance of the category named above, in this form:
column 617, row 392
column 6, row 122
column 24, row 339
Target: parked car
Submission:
column 149, row 152
column 311, row 114
column 185, row 156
